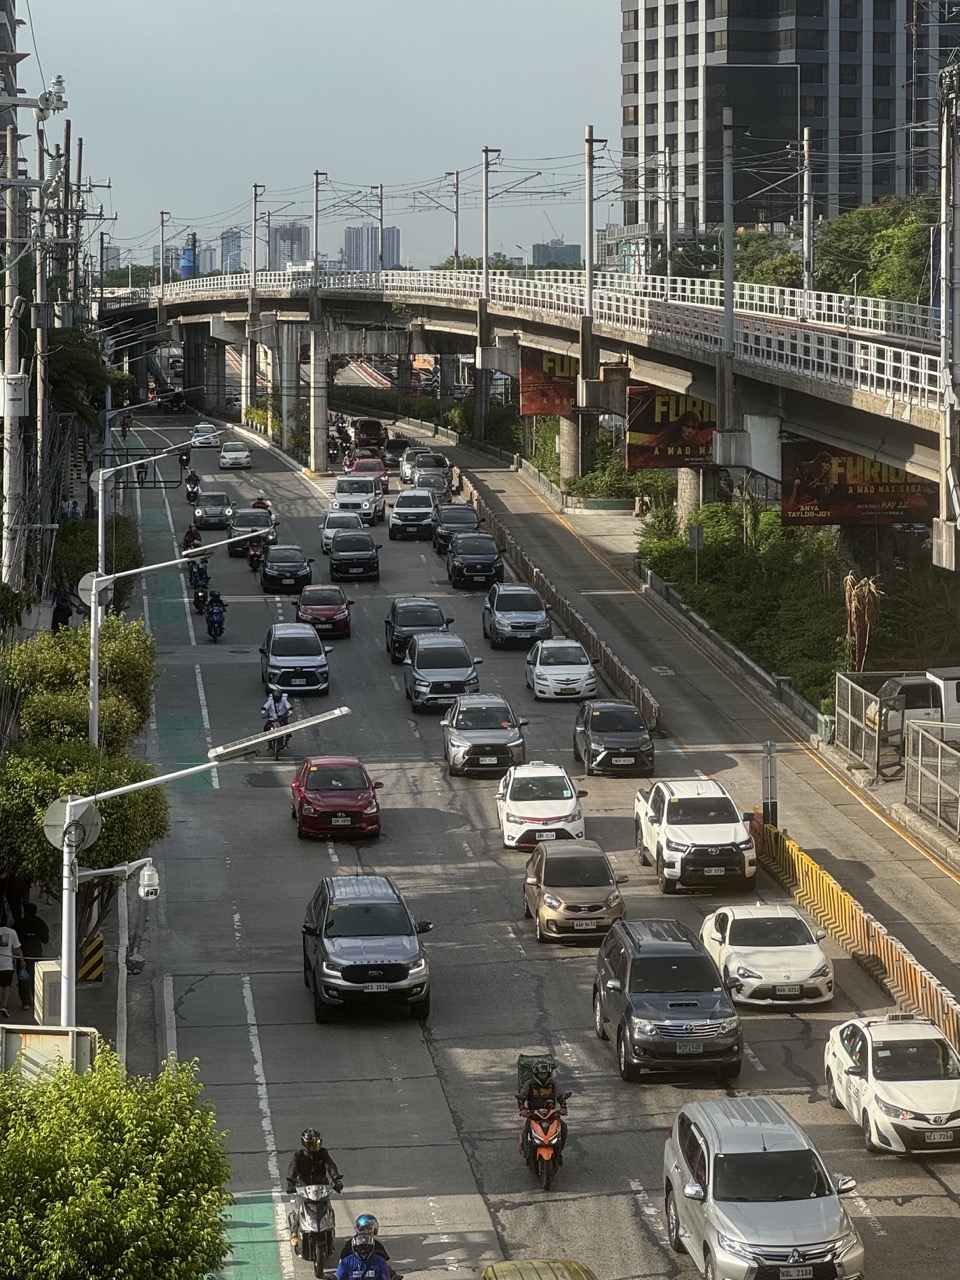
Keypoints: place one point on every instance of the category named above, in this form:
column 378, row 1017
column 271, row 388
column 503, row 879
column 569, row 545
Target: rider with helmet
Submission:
column 276, row 710
column 362, row 1262
column 366, row 1225
column 260, row 503
column 313, row 1163
column 541, row 1090
column 191, row 538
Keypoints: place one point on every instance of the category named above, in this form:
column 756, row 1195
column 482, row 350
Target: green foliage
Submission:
column 545, row 456
column 75, row 553
column 267, row 412
column 461, row 264
column 610, row 479
column 886, row 244
column 110, row 1175
column 78, row 376
column 137, row 277
column 62, row 716
column 34, row 776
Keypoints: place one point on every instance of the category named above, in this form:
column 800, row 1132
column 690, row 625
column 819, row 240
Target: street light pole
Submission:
column 455, row 175
column 317, row 175
column 728, row 246
column 668, row 209
column 485, row 223
column 588, row 225
column 258, row 190
column 807, row 212
column 379, row 190
column 163, row 249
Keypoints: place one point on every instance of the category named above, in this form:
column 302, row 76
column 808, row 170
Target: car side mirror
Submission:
column 747, row 817
column 581, row 794
column 328, row 648
column 622, row 879
column 310, row 560
column 310, row 932
column 378, row 786
column 844, row 1184
column 263, row 648
column 378, row 546
column 448, row 621
column 478, row 662
column 693, row 1191
column 614, row 984
column 351, row 602
column 521, row 723
column 276, row 520
column 444, row 724
column 547, row 608
column 531, row 879
column 820, row 933
column 424, row 926
column 733, row 984
column 855, row 1072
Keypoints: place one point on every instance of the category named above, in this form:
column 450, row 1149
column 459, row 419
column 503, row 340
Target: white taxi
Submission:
column 234, row 453
column 537, row 801
column 899, row 1078
column 560, row 669
column 771, row 952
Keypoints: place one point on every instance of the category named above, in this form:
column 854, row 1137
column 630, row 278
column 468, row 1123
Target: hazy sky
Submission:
column 184, row 104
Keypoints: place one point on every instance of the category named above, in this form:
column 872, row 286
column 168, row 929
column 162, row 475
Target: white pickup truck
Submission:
column 694, row 834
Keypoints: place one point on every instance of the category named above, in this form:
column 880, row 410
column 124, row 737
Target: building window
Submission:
column 882, row 42
column 650, row 50
column 849, row 107
column 670, row 47
column 812, row 72
column 629, row 115
column 716, row 40
column 882, row 173
column 883, row 108
column 670, row 112
column 650, row 114
column 693, row 109
column 811, row 106
column 693, row 12
column 809, row 39
column 716, row 9
column 850, row 9
column 631, row 52
column 883, row 12
column 691, row 44
column 631, row 146
column 849, row 141
column 691, row 142
column 849, row 41
column 883, row 77
column 849, row 73
column 882, row 143
column 670, row 15
column 670, row 79
column 631, row 85
column 650, row 81
column 630, row 19
column 652, row 17
column 691, row 77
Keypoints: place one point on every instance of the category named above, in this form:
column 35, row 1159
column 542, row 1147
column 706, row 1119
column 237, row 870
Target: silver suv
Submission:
column 746, row 1195
column 437, row 669
column 356, row 493
column 292, row 658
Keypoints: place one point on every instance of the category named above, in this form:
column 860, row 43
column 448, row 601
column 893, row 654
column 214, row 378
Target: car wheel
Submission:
column 392, row 535
column 293, row 813
column 709, row 1268
column 376, row 576
column 598, row 1023
column 420, row 1009
column 867, row 1128
column 406, row 693
column 626, row 1068
column 642, row 853
column 666, row 886
column 321, row 1012
column 588, row 768
column 673, row 1223
column 576, row 751
column 832, row 1096
column 301, row 834
column 526, row 907
column 731, row 1071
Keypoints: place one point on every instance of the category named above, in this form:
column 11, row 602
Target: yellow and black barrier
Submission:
column 91, row 959
column 884, row 957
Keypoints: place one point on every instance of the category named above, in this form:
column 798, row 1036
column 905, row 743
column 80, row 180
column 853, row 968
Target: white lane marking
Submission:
column 520, row 946
column 330, row 852
column 415, row 727
column 753, row 1059
column 266, row 1124
column 466, row 849
column 868, row 1214
column 444, row 1237
column 396, row 684
column 169, row 1017
column 205, row 717
column 650, row 1211
column 278, row 601
column 183, row 581
column 664, row 671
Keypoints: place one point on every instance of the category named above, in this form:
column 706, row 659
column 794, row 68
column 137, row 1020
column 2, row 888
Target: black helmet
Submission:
column 367, row 1224
column 543, row 1071
column 364, row 1247
column 311, row 1141
column 214, row 596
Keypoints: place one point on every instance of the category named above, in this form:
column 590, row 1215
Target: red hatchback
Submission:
column 334, row 796
column 372, row 467
column 327, row 609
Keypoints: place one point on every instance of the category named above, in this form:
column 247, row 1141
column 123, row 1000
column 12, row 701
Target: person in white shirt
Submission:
column 11, row 959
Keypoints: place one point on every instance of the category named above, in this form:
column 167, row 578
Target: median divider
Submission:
column 912, row 987
column 566, row 616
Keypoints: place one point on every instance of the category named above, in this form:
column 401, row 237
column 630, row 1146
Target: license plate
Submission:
column 477, row 577
column 690, row 1046
column 288, row 582
column 548, row 835
column 324, row 626
column 340, row 822
column 796, row 1273
column 487, row 760
column 298, row 680
column 714, row 871
column 624, row 760
column 793, row 990
column 566, row 693
column 375, row 986
column 939, row 1135
column 584, row 924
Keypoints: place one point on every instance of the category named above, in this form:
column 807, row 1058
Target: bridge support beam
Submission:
column 481, row 380
column 194, row 374
column 215, row 373
column 318, row 398
column 286, row 371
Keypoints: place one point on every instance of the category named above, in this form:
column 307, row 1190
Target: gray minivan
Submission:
column 294, row 659
column 437, row 669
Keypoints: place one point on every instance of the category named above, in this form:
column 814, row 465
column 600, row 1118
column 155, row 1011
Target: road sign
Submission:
column 108, row 481
column 85, row 589
column 89, row 824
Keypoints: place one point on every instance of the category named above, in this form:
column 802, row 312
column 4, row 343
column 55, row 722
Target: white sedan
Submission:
column 899, row 1078
column 537, row 801
column 560, row 669
column 205, row 436
column 770, row 951
column 233, row 454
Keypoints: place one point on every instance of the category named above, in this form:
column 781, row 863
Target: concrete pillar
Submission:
column 449, row 374
column 481, row 378
column 569, row 443
column 318, row 399
column 215, row 373
column 688, row 495
column 193, row 365
column 248, row 374
column 404, row 370
column 137, row 368
column 289, row 377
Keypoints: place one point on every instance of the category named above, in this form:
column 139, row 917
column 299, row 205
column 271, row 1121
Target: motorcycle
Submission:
column 540, row 1140
column 333, row 450
column 276, row 745
column 215, row 617
column 201, row 594
column 193, row 493
column 313, row 1224
column 255, row 554
column 199, row 572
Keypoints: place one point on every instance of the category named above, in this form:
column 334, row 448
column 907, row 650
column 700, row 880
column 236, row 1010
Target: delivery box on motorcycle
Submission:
column 539, row 1269
column 527, row 1061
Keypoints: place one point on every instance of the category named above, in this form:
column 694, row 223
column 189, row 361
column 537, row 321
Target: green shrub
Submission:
column 62, row 716
column 75, row 553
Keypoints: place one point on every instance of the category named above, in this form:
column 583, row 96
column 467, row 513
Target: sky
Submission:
column 184, row 104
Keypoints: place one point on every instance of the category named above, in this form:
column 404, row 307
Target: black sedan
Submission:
column 612, row 737
column 474, row 560
column 354, row 556
column 214, row 510
column 449, row 518
column 393, row 450
column 285, row 569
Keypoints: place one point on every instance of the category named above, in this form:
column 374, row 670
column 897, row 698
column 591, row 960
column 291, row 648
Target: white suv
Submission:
column 360, row 494
column 537, row 802
column 411, row 516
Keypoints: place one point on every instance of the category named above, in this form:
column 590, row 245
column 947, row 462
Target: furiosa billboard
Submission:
column 824, row 486
column 668, row 430
column 548, row 382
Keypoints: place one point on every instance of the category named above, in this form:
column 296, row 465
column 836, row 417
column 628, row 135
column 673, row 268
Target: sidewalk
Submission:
column 715, row 723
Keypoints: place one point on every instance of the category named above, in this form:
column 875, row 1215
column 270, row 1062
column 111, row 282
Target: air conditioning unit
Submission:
column 46, row 993
column 34, row 1049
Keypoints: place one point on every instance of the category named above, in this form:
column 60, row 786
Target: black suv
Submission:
column 409, row 615
column 612, row 737
column 661, row 997
column 354, row 556
column 449, row 518
column 474, row 560
column 361, row 946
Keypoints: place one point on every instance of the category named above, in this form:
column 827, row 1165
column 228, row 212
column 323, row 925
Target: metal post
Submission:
column 93, row 710
column 588, row 225
column 456, row 218
column 769, row 784
column 163, row 249
column 485, row 224
column 316, row 228
column 12, row 466
column 258, row 190
column 379, row 189
column 728, row 245
column 269, row 254
column 807, row 212
column 101, row 269
column 40, row 336
column 68, row 921
column 668, row 209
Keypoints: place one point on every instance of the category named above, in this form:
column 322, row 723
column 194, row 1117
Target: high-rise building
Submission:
column 171, row 259
column 361, row 247
column 111, row 257
column 230, row 250
column 556, row 254
column 837, row 67
column 208, row 259
column 289, row 243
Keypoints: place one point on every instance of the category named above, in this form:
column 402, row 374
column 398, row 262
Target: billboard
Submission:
column 548, row 382
column 824, row 486
column 665, row 429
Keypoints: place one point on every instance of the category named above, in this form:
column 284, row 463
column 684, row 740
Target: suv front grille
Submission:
column 362, row 973
column 446, row 688
column 298, row 679
column 688, row 1030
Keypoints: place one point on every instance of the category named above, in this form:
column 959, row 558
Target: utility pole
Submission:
column 946, row 528
column 485, row 222
column 250, row 346
column 269, row 245
column 41, row 321
column 102, row 238
column 481, row 403
column 258, row 190
column 164, row 216
column 14, row 403
column 588, row 229
column 728, row 245
column 379, row 190
column 668, row 209
column 317, row 175
column 455, row 175
column 78, row 220
column 807, row 212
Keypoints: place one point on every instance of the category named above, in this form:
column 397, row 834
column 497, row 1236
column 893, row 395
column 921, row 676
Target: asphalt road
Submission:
column 422, row 1120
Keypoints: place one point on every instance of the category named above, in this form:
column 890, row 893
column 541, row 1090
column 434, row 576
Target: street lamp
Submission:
column 455, row 175
column 73, row 839
column 164, row 218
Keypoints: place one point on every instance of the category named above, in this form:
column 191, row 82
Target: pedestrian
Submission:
column 17, row 892
column 62, row 609
column 11, row 960
column 34, row 935
column 75, row 513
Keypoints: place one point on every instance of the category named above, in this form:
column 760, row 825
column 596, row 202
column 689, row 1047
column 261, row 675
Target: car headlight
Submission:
column 575, row 815
column 228, row 511
column 613, row 898
column 745, row 845
column 676, row 846
column 729, row 1024
column 333, row 968
column 459, row 744
column 513, row 818
column 198, row 512
column 334, row 505
column 896, row 1113
column 273, row 672
column 308, row 809
column 744, row 972
column 642, row 1027
column 551, row 901
column 735, row 1247
column 822, row 972
column 845, row 1242
column 418, row 968
column 472, row 680
column 372, row 807
column 342, row 615
column 365, row 505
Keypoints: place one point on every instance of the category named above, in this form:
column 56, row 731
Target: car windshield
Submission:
column 547, row 786
column 577, row 873
column 413, row 452
column 254, row 519
column 926, row 1059
column 519, row 602
column 694, row 810
column 360, row 920
column 336, row 777
column 369, row 464
column 769, row 931
column 354, row 486
column 298, row 646
column 234, row 448
column 428, row 461
column 432, row 480
column 444, row 658
column 485, row 718
column 352, row 542
column 668, row 973
column 419, row 500
column 480, row 546
column 763, row 1177
column 420, row 615
column 322, row 595
column 563, row 655
column 343, row 520
column 617, row 720
column 285, row 555
column 212, row 500
column 457, row 515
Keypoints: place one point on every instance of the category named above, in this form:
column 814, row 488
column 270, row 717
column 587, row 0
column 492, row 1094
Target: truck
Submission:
column 368, row 433
column 693, row 834
column 932, row 695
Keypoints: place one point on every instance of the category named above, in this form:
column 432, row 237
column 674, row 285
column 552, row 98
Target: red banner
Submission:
column 548, row 382
column 668, row 430
column 830, row 486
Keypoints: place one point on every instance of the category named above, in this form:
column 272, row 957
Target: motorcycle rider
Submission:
column 276, row 711
column 260, row 503
column 363, row 1262
column 313, row 1163
column 191, row 538
column 367, row 1225
column 539, row 1091
column 254, row 552
column 141, row 470
column 214, row 606
column 192, row 480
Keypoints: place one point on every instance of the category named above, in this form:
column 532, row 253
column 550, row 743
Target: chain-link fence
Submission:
column 870, row 726
column 932, row 766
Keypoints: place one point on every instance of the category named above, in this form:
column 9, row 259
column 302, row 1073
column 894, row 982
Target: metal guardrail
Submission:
column 932, row 769
column 824, row 337
column 566, row 616
column 884, row 957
